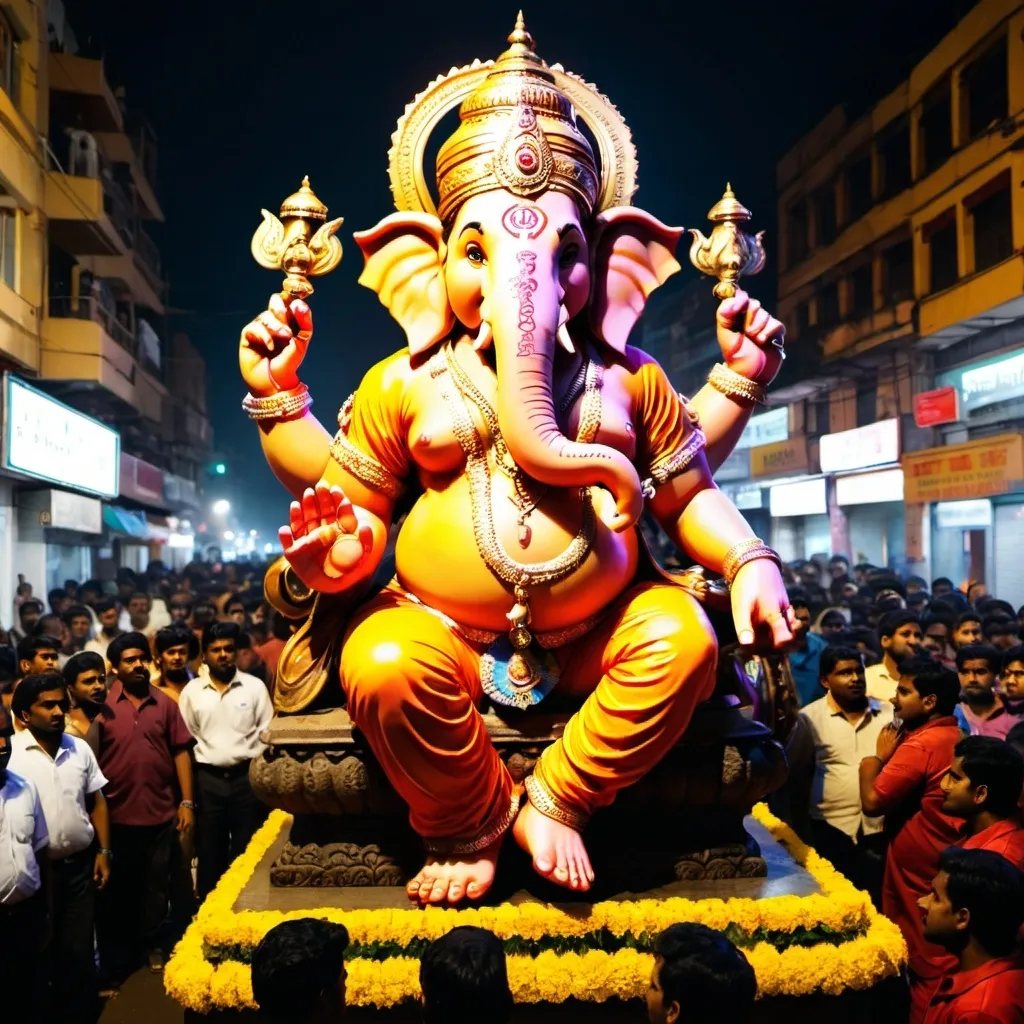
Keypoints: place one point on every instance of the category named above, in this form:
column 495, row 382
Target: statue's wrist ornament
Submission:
column 282, row 406
column 746, row 551
column 735, row 385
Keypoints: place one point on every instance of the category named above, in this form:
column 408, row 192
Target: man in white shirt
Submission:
column 68, row 780
column 226, row 711
column 109, row 614
column 844, row 725
column 900, row 635
column 24, row 885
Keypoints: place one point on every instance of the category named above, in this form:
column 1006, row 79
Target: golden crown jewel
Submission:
column 517, row 131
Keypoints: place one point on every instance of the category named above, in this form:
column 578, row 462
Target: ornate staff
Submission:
column 301, row 242
column 730, row 252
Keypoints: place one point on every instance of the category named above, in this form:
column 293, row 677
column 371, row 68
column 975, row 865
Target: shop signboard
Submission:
column 933, row 408
column 48, row 440
column 977, row 469
column 768, row 428
column 876, row 444
column 782, row 458
column 141, row 481
column 984, row 383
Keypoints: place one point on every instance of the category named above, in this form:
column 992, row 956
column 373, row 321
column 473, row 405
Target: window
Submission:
column 858, row 181
column 9, row 71
column 894, row 155
column 940, row 235
column 936, row 127
column 862, row 300
column 828, row 305
column 898, row 273
column 825, row 208
column 796, row 240
column 8, row 244
column 984, row 82
column 867, row 405
column 993, row 225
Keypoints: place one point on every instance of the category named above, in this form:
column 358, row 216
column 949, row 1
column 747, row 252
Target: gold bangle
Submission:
column 735, row 385
column 550, row 807
column 746, row 551
column 282, row 406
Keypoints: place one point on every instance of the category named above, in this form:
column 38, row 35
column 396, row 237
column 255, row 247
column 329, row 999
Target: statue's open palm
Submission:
column 324, row 541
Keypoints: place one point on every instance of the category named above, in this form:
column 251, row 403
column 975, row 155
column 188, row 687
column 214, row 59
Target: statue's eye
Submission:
column 475, row 254
column 569, row 255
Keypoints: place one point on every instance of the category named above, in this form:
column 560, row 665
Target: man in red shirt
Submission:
column 143, row 747
column 903, row 781
column 974, row 910
column 983, row 786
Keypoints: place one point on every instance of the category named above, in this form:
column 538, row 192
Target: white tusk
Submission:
column 564, row 340
column 483, row 337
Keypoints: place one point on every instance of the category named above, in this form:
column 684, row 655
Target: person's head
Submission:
column 220, row 649
column 8, row 667
column 40, row 703
column 53, row 625
column 38, row 654
column 802, row 614
column 108, row 612
column 926, row 690
column 976, row 896
column 934, row 648
column 464, row 979
column 180, row 607
column 699, row 975
column 127, row 584
column 978, row 667
column 79, row 623
column 298, row 972
column 899, row 633
column 1001, row 633
column 938, row 625
column 842, row 674
column 917, row 602
column 838, row 566
column 203, row 613
column 28, row 614
column 139, row 607
column 916, row 585
column 976, row 591
column 129, row 657
column 967, row 630
column 86, row 677
column 58, row 601
column 942, row 587
column 176, row 646
column 235, row 611
column 1011, row 673
column 986, row 775
column 90, row 594
column 832, row 621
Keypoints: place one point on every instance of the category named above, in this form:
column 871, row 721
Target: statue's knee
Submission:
column 375, row 671
column 682, row 631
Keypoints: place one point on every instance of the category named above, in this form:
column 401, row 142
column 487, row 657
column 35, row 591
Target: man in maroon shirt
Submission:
column 904, row 782
column 974, row 910
column 144, row 753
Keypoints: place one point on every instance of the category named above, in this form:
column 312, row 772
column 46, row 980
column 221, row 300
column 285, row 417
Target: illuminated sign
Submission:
column 768, row 428
column 873, row 445
column 985, row 383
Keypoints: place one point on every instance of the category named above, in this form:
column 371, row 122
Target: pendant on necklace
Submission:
column 525, row 535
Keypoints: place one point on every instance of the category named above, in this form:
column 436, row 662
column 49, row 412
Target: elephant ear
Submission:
column 404, row 257
column 633, row 253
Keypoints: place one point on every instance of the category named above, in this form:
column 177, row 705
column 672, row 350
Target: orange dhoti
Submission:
column 414, row 690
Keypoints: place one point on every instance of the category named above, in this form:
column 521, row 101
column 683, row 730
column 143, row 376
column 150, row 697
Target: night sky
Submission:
column 246, row 96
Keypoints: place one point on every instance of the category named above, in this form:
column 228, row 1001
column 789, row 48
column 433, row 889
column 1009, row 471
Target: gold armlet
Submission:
column 282, row 406
column 746, row 551
column 366, row 469
column 678, row 461
column 735, row 385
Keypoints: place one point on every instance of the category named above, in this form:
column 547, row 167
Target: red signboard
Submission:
column 934, row 407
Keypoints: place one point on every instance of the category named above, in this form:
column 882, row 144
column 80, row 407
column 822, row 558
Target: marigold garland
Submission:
column 877, row 950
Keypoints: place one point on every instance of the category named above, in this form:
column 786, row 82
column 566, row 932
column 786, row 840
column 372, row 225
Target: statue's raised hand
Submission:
column 324, row 541
column 750, row 337
column 273, row 346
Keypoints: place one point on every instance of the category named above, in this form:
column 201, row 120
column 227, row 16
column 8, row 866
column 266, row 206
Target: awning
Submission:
column 120, row 520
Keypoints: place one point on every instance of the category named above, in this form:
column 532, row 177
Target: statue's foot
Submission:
column 558, row 852
column 450, row 880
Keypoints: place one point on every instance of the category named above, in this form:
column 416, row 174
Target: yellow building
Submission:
column 901, row 236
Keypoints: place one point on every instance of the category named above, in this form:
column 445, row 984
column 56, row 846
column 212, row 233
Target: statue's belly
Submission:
column 437, row 559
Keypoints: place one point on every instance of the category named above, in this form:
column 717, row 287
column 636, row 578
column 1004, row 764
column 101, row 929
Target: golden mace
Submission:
column 730, row 252
column 302, row 242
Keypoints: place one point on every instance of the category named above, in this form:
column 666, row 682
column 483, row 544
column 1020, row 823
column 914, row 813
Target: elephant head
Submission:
column 516, row 253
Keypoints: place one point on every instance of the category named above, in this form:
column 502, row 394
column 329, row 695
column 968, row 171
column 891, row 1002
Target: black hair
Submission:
column 1012, row 654
column 76, row 611
column 106, row 604
column 45, row 623
column 175, row 636
column 967, row 617
column 831, row 656
column 937, row 617
column 295, row 962
column 977, row 652
column 798, row 602
column 143, row 594
column 997, row 766
column 944, row 580
column 839, row 558
column 705, row 974
column 94, row 585
column 27, row 692
column 991, row 890
column 31, row 604
column 54, row 597
column 30, row 646
column 127, row 642
column 84, row 661
column 8, row 665
column 892, row 621
column 933, row 679
column 464, row 979
column 228, row 630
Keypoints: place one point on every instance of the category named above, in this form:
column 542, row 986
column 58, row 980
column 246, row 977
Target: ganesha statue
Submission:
column 523, row 437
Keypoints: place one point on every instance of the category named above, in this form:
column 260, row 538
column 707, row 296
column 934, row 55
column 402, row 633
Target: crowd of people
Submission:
column 131, row 711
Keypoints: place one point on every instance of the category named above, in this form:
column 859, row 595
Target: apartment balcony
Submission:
column 80, row 93
column 861, row 334
column 89, row 216
column 137, row 151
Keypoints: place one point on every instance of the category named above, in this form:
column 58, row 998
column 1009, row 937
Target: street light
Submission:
column 221, row 507
column 229, row 535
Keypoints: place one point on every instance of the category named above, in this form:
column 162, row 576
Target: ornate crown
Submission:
column 518, row 131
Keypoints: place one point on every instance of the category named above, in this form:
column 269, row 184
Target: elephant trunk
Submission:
column 526, row 317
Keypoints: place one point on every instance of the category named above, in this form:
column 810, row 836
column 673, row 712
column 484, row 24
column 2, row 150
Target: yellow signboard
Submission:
column 783, row 457
column 978, row 469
